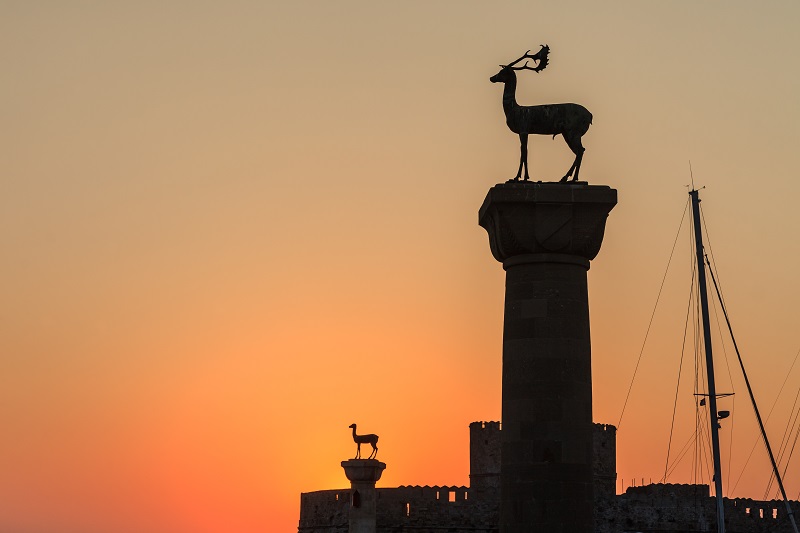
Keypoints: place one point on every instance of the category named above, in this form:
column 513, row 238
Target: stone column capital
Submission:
column 546, row 218
column 363, row 473
column 363, row 470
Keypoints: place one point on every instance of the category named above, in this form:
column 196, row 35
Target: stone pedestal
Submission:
column 545, row 234
column 363, row 474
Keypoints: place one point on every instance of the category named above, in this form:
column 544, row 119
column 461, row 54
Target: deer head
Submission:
column 507, row 71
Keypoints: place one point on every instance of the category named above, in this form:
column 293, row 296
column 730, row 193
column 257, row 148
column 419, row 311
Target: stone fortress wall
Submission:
column 446, row 508
column 668, row 508
column 405, row 508
column 663, row 508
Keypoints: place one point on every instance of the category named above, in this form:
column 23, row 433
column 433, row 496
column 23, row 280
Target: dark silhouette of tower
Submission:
column 545, row 234
column 484, row 458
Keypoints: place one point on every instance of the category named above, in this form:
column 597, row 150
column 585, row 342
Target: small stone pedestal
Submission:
column 363, row 474
column 545, row 234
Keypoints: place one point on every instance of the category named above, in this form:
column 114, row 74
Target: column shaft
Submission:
column 546, row 469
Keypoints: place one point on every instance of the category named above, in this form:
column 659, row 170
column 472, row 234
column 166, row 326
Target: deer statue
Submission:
column 570, row 120
column 363, row 439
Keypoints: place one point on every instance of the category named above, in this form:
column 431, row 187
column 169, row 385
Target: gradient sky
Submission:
column 230, row 230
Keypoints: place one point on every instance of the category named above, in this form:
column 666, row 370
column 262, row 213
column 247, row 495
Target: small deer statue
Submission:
column 570, row 120
column 362, row 439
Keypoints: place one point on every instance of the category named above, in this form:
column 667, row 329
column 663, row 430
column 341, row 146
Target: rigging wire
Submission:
column 693, row 317
column 701, row 451
column 787, row 437
column 697, row 372
column 794, row 443
column 731, row 440
column 652, row 315
column 703, row 465
column 680, row 371
column 774, row 403
column 703, row 441
column 787, row 434
column 791, row 452
column 789, row 511
column 682, row 453
column 730, row 378
column 712, row 265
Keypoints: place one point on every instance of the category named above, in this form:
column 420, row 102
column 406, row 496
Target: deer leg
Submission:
column 578, row 165
column 358, row 451
column 523, row 156
column 574, row 143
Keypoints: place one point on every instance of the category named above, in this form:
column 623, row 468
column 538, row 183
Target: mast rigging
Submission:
column 712, row 390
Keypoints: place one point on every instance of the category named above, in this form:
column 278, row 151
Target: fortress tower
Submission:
column 484, row 458
column 545, row 234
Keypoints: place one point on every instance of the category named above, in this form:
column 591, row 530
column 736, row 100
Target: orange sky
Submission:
column 231, row 230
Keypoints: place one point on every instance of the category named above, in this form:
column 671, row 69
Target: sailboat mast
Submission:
column 712, row 389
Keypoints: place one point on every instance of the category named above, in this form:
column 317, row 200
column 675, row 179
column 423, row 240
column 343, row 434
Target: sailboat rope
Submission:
column 787, row 435
column 778, row 477
column 678, row 386
column 774, row 403
column 652, row 315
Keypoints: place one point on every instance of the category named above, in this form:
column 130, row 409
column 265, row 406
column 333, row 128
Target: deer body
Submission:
column 569, row 120
column 365, row 439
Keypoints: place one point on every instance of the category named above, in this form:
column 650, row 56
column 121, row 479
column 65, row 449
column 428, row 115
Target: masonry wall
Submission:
column 662, row 507
column 658, row 508
column 324, row 511
column 604, row 464
column 668, row 508
column 484, row 458
column 453, row 509
column 744, row 515
column 406, row 508
column 428, row 509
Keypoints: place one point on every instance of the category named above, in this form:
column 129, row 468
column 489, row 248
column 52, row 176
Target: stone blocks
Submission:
column 545, row 234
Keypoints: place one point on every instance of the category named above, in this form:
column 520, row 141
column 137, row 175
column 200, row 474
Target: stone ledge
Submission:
column 363, row 470
column 524, row 218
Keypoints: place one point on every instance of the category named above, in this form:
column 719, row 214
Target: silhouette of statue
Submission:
column 570, row 120
column 363, row 439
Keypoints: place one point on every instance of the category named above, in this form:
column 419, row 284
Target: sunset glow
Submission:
column 231, row 230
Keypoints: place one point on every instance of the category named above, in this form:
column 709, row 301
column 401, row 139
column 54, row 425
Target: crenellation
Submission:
column 655, row 508
column 484, row 457
column 604, row 463
column 324, row 511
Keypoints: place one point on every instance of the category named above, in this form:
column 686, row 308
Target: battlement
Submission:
column 405, row 507
column 484, row 458
column 325, row 510
column 490, row 426
column 665, row 494
column 660, row 507
column 604, row 460
column 437, row 493
column 461, row 509
column 745, row 513
column 688, row 508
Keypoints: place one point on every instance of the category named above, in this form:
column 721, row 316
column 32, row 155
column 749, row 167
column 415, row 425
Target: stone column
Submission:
column 363, row 474
column 545, row 234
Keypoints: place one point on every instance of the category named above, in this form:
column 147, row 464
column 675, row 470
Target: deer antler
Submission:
column 540, row 56
column 518, row 60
